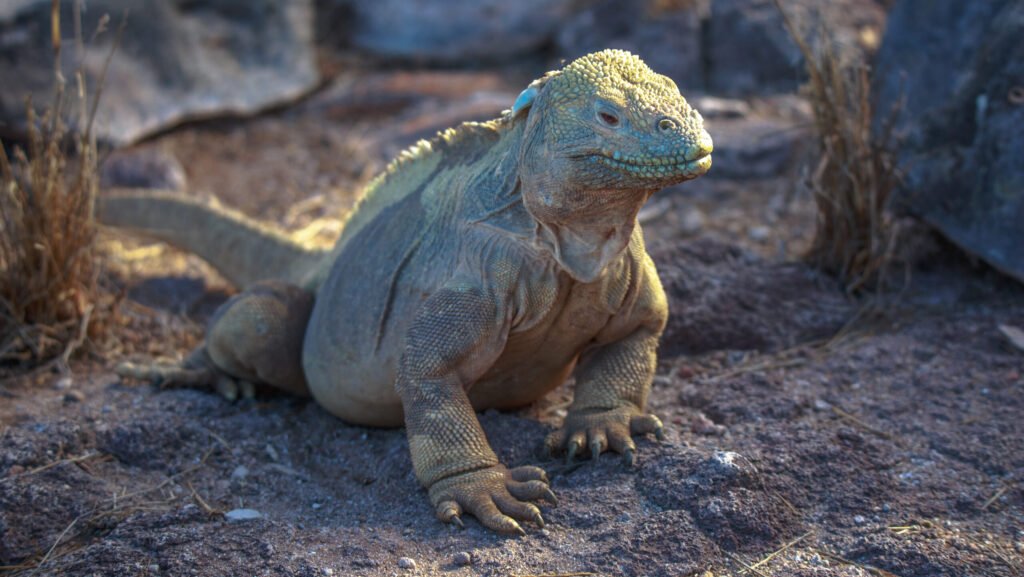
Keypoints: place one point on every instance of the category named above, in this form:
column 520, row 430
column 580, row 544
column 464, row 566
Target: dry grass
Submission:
column 855, row 173
column 49, row 300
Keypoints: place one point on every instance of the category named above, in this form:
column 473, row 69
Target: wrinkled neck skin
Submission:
column 583, row 226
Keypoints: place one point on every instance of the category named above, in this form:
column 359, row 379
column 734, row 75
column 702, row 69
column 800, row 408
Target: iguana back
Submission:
column 247, row 251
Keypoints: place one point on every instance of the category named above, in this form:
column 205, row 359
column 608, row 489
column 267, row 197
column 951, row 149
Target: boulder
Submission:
column 959, row 69
column 756, row 146
column 666, row 34
column 749, row 51
column 177, row 60
column 453, row 31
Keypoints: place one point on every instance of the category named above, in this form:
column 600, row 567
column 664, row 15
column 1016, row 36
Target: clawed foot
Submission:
column 601, row 431
column 188, row 376
column 496, row 496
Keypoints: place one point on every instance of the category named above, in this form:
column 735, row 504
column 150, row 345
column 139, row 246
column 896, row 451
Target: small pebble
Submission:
column 272, row 452
column 702, row 425
column 463, row 558
column 759, row 233
column 154, row 568
column 240, row 473
column 406, row 563
column 859, row 519
column 63, row 383
column 239, row 515
column 692, row 222
column 74, row 397
column 662, row 380
column 328, row 571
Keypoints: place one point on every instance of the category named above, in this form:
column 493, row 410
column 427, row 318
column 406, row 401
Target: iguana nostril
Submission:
column 666, row 125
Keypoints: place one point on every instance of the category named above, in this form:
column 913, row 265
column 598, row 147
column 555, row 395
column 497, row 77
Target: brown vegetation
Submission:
column 855, row 172
column 48, row 264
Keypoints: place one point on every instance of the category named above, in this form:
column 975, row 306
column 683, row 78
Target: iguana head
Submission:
column 601, row 136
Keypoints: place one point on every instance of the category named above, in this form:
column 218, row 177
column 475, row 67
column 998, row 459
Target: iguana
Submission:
column 478, row 271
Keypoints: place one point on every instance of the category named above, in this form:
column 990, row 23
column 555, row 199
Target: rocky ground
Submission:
column 809, row 434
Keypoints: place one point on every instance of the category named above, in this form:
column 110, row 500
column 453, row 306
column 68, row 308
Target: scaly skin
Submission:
column 480, row 270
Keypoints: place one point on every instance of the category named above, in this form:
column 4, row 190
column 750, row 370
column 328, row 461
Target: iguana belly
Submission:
column 354, row 342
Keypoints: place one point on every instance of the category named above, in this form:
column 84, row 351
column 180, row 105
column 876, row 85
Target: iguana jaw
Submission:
column 674, row 168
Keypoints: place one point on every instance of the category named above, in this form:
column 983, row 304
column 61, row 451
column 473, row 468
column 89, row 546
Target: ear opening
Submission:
column 525, row 100
column 527, row 97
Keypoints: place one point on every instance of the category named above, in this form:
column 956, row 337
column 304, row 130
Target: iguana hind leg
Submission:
column 253, row 338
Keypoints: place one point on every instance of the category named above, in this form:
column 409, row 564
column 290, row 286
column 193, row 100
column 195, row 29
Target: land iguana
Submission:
column 478, row 271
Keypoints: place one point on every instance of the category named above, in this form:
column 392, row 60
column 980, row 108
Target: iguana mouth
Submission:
column 657, row 167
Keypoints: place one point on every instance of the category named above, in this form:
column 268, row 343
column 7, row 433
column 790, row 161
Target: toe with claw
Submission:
column 603, row 430
column 497, row 496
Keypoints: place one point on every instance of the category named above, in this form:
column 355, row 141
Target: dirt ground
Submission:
column 809, row 436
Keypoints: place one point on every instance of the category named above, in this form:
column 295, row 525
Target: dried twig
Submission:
column 57, row 541
column 118, row 505
column 999, row 493
column 746, row 566
column 202, row 502
column 40, row 469
column 857, row 421
column 777, row 552
column 871, row 570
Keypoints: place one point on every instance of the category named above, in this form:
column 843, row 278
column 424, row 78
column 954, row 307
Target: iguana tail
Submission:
column 243, row 250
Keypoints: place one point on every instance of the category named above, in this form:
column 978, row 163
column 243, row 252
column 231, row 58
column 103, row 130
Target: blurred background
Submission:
column 339, row 86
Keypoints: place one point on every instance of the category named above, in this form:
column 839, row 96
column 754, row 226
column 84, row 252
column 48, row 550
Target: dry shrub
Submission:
column 855, row 173
column 49, row 301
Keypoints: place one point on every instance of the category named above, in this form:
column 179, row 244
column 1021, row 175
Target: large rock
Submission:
column 666, row 34
column 749, row 50
column 960, row 68
column 454, row 31
column 177, row 60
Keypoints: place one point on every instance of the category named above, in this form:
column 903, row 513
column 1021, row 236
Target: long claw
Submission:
column 506, row 525
column 537, row 519
column 247, row 389
column 529, row 473
column 629, row 457
column 549, row 496
column 571, row 453
column 227, row 388
column 449, row 513
column 659, row 433
column 595, row 450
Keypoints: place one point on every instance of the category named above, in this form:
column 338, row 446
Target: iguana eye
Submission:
column 608, row 118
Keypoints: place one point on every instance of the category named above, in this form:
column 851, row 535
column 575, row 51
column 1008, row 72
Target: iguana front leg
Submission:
column 613, row 380
column 611, row 393
column 457, row 335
